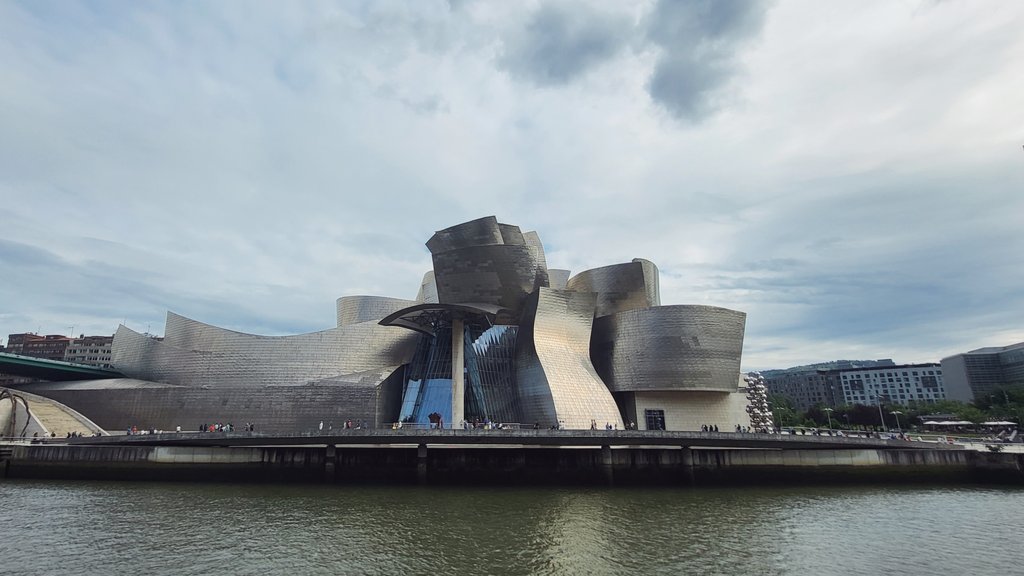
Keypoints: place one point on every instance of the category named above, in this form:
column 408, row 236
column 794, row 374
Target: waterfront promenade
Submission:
column 513, row 437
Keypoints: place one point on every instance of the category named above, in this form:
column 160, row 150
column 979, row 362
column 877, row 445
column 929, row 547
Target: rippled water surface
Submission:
column 84, row 528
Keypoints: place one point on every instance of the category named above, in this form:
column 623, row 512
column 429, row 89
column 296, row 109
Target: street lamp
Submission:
column 897, row 413
column 828, row 412
column 880, row 415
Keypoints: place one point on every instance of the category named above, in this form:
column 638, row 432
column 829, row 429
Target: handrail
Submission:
column 465, row 426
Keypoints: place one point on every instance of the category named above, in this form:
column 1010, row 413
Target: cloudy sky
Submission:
column 849, row 173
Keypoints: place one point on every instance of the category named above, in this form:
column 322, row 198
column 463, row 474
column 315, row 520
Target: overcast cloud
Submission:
column 850, row 174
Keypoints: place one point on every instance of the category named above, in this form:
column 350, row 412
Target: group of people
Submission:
column 347, row 425
column 228, row 427
column 436, row 420
column 485, row 424
column 710, row 428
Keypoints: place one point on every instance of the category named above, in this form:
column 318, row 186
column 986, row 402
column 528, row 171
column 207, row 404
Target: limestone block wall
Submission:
column 688, row 411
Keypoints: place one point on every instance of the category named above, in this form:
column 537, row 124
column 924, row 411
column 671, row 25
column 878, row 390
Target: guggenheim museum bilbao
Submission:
column 493, row 334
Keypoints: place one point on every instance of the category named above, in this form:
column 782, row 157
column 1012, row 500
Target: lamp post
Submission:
column 828, row 412
column 897, row 413
column 880, row 415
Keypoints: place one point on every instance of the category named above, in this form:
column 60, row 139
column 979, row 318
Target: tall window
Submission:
column 655, row 419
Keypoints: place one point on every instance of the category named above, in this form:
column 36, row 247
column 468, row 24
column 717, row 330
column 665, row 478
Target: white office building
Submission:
column 894, row 384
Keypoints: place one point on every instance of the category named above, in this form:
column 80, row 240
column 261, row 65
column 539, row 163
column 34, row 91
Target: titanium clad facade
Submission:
column 620, row 287
column 480, row 232
column 485, row 262
column 428, row 290
column 669, row 348
column 536, row 346
column 512, row 234
column 533, row 239
column 500, row 274
column 193, row 353
column 356, row 309
column 119, row 404
column 556, row 381
column 558, row 278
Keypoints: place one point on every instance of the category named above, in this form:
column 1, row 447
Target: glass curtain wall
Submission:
column 488, row 373
column 428, row 389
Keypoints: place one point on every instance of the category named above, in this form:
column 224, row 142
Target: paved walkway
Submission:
column 55, row 417
column 541, row 438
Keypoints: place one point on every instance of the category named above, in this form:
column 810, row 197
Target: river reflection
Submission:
column 85, row 528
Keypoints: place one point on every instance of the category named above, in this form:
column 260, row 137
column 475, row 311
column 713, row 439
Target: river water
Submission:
column 110, row 528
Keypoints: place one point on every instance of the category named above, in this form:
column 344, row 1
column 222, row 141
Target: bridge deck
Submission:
column 54, row 370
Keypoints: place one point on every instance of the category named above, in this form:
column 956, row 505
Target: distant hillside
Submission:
column 832, row 365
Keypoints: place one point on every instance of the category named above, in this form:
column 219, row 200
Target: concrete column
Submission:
column 458, row 376
column 330, row 463
column 606, row 465
column 421, row 463
column 686, row 461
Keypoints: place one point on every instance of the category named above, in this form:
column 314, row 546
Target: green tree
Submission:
column 785, row 413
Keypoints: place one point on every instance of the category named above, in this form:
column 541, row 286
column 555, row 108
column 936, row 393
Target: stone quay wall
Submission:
column 469, row 464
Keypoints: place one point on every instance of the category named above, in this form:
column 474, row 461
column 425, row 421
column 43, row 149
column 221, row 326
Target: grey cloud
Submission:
column 15, row 256
column 558, row 45
column 245, row 155
column 430, row 104
column 697, row 41
column 685, row 84
column 421, row 104
column 702, row 24
column 98, row 291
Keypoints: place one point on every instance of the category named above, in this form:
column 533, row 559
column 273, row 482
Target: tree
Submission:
column 785, row 413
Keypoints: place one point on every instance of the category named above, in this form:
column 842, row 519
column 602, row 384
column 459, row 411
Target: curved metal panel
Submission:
column 356, row 309
column 193, row 353
column 558, row 278
column 479, row 232
column 620, row 287
column 372, row 397
column 543, row 278
column 428, row 289
column 424, row 317
column 669, row 348
column 555, row 379
column 498, row 274
column 511, row 234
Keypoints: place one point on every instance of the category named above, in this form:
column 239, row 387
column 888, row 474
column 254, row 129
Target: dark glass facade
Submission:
column 489, row 356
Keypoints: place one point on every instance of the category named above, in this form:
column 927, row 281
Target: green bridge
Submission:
column 52, row 370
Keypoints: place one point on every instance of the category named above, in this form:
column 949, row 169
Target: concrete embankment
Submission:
column 505, row 465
